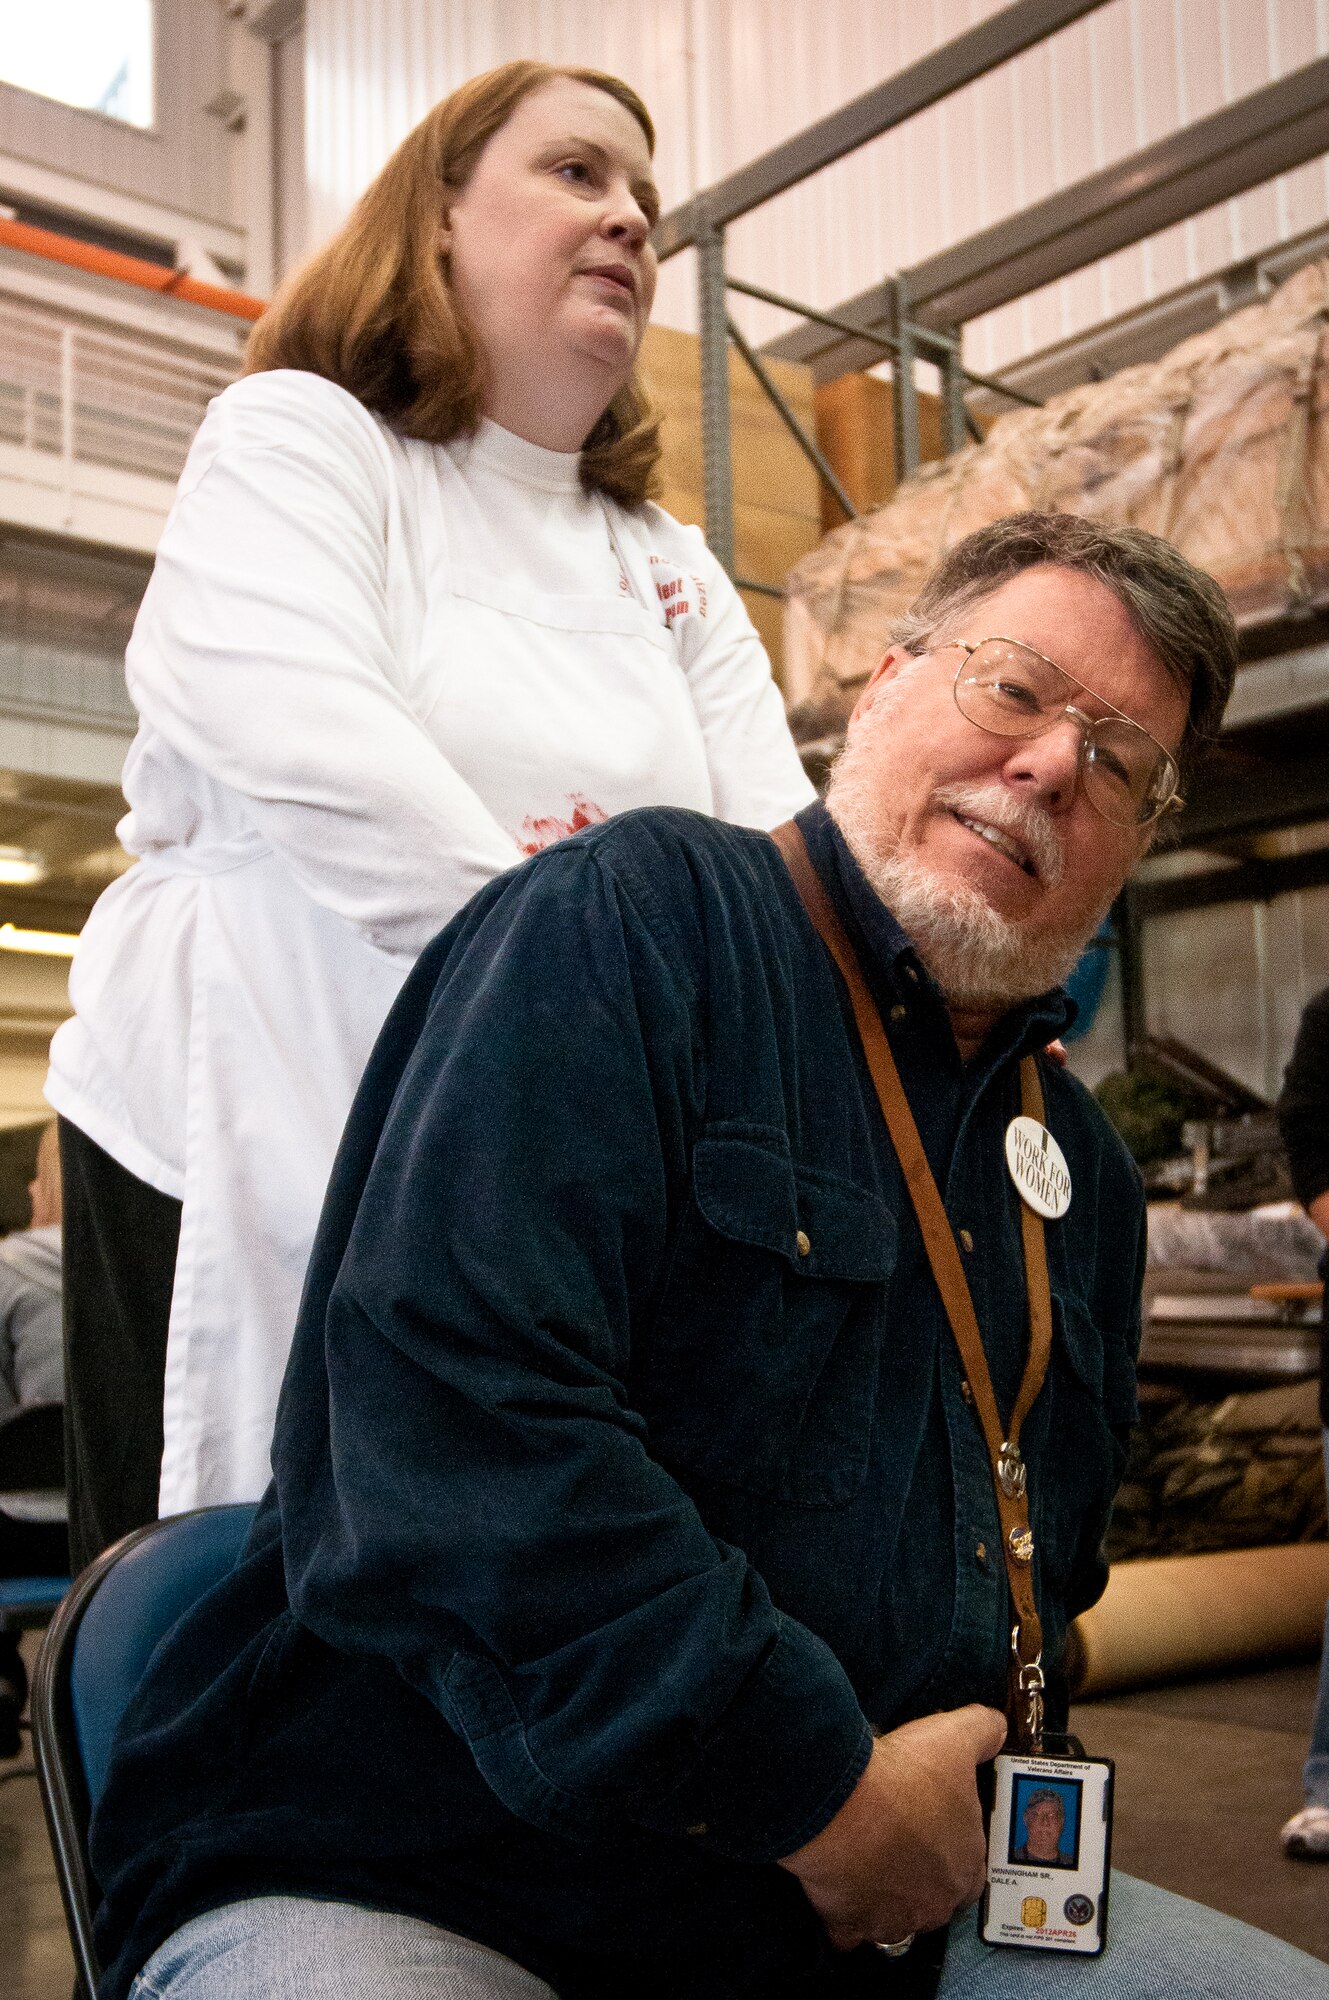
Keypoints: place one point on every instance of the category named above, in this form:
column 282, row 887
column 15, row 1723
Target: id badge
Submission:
column 1049, row 1851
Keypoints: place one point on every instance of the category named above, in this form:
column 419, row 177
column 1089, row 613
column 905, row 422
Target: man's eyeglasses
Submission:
column 1010, row 690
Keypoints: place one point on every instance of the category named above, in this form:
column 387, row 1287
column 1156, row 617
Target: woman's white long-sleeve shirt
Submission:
column 371, row 673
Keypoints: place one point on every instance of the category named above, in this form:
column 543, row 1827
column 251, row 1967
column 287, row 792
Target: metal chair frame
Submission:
column 61, row 1769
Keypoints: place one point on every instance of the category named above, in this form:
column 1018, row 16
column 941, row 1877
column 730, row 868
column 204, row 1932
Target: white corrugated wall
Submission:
column 726, row 79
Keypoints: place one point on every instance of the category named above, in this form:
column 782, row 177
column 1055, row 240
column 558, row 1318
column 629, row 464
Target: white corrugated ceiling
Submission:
column 726, row 79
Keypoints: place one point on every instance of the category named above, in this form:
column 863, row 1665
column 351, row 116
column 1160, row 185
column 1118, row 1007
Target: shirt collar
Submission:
column 887, row 953
column 516, row 458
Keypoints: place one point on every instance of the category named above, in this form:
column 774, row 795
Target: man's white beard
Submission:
column 977, row 957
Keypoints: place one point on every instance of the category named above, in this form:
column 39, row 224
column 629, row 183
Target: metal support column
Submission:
column 1126, row 924
column 717, row 463
column 809, row 447
column 904, row 385
column 955, row 421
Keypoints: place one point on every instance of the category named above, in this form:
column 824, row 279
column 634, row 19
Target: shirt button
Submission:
column 803, row 1243
column 700, row 1827
column 897, row 1012
column 981, row 1551
column 911, row 972
column 966, row 1239
column 966, row 1391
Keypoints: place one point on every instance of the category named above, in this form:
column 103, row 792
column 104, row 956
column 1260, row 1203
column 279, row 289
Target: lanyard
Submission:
column 1009, row 1476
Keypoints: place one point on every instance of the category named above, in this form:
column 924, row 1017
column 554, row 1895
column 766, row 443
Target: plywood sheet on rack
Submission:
column 856, row 430
column 777, row 517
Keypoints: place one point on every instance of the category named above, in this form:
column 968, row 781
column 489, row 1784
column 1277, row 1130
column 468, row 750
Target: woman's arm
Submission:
column 264, row 654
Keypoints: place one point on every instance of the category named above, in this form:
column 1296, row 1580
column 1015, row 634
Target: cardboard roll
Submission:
column 1171, row 1617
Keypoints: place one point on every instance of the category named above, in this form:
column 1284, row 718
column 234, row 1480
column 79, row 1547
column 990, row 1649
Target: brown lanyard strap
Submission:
column 1009, row 1478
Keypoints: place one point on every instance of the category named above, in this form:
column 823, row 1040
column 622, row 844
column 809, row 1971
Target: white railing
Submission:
column 94, row 396
column 65, row 619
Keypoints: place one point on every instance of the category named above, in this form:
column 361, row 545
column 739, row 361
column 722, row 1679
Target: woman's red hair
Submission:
column 374, row 310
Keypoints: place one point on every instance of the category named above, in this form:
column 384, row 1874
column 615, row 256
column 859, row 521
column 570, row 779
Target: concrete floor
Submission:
column 35, row 1959
column 1206, row 1774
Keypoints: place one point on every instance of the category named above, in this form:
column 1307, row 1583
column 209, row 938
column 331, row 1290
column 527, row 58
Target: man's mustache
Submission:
column 997, row 806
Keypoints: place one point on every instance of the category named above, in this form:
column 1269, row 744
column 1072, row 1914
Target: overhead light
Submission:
column 45, row 944
column 19, row 868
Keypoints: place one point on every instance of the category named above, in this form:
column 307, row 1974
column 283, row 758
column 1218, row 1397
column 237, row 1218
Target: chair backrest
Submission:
column 32, row 1505
column 151, row 1584
column 92, row 1659
column 32, row 1448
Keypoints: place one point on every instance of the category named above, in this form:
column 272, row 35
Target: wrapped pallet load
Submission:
column 1222, row 446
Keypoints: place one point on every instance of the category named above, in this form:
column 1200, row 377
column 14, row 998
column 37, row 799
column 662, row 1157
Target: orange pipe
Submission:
column 138, row 271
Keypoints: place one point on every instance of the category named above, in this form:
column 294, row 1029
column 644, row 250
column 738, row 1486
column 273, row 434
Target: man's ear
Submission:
column 885, row 670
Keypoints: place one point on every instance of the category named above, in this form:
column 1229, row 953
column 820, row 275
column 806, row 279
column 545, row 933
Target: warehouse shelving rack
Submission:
column 919, row 314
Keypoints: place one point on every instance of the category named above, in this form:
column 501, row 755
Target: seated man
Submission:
column 628, row 1614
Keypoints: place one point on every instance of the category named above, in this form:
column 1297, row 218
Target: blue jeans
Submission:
column 1315, row 1775
column 293, row 1948
column 287, row 1948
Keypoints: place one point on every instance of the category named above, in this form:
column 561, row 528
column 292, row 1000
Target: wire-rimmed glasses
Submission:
column 1008, row 689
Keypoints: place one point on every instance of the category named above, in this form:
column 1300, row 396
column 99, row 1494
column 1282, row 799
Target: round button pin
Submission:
column 1038, row 1167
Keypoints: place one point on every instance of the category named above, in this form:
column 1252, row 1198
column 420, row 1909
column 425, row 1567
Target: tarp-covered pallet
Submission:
column 1223, row 447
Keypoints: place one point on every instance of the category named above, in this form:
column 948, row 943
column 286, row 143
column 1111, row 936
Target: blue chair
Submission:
column 28, row 1601
column 92, row 1659
column 34, row 1550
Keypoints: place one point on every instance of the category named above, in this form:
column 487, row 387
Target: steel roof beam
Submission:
column 1248, row 143
column 888, row 104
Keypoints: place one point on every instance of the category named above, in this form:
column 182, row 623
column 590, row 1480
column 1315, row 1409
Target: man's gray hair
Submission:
column 1178, row 610
column 1045, row 1796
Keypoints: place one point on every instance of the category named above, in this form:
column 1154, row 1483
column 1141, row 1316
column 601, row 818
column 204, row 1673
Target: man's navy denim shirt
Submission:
column 625, row 1478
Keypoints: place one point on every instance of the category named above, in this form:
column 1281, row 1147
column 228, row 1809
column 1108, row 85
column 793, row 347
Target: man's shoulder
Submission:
column 669, row 861
column 714, row 899
column 690, row 884
column 679, row 840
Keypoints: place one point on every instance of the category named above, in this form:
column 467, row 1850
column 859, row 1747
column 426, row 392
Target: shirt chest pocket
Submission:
column 762, row 1364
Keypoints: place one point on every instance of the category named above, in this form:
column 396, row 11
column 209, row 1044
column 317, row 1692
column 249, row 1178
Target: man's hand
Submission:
column 905, row 1850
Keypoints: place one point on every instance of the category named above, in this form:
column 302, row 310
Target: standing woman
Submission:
column 412, row 618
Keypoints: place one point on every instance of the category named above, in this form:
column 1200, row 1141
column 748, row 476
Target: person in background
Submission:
column 1303, row 1117
column 413, row 617
column 31, row 1340
column 31, row 1371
